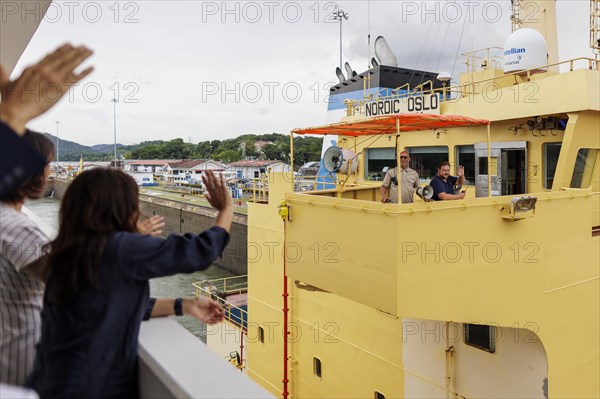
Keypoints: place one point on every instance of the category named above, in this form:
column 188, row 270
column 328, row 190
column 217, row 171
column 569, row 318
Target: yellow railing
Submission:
column 219, row 290
column 229, row 285
column 491, row 60
column 305, row 184
column 260, row 189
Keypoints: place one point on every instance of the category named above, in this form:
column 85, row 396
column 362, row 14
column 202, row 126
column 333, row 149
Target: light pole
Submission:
column 115, row 101
column 340, row 15
column 57, row 158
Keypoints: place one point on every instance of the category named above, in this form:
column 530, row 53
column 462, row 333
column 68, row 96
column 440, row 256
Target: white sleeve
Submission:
column 23, row 244
column 16, row 392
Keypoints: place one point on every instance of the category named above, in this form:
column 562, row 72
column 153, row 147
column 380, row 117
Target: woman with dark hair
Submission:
column 21, row 286
column 97, row 288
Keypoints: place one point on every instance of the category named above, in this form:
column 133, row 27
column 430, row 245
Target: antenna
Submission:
column 369, row 34
column 515, row 16
column 340, row 15
column 384, row 53
column 595, row 27
column 340, row 74
column 444, row 77
column 369, row 65
column 349, row 70
column 543, row 21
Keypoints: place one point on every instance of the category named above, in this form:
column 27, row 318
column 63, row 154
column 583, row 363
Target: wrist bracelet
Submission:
column 178, row 307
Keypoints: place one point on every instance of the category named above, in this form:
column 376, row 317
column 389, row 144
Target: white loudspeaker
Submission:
column 340, row 160
column 425, row 192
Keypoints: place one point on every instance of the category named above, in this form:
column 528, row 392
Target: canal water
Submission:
column 167, row 287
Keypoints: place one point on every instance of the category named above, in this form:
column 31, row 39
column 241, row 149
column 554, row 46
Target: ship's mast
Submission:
column 541, row 16
column 595, row 27
column 515, row 16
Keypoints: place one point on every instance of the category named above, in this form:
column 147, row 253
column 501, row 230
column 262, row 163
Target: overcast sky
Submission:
column 204, row 70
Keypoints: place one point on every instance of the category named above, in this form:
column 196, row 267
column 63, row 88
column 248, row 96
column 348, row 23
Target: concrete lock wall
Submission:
column 181, row 218
column 59, row 187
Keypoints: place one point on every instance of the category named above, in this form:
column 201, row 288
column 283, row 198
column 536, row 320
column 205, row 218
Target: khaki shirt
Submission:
column 409, row 181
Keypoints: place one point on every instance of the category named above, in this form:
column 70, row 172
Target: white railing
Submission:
column 173, row 363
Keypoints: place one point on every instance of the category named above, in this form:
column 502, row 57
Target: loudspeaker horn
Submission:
column 340, row 160
column 425, row 192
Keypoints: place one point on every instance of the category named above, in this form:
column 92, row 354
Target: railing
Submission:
column 183, row 188
column 420, row 87
column 229, row 285
column 222, row 288
column 489, row 60
column 305, row 183
column 173, row 363
column 260, row 189
column 453, row 93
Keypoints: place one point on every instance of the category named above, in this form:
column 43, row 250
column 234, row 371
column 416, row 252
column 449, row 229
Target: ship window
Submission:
column 261, row 335
column 376, row 159
column 425, row 160
column 317, row 366
column 379, row 395
column 481, row 336
column 584, row 167
column 551, row 152
column 465, row 156
column 483, row 166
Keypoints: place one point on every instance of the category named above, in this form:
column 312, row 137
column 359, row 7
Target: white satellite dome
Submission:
column 525, row 49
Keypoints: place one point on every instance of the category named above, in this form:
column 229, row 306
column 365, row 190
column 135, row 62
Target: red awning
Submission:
column 387, row 124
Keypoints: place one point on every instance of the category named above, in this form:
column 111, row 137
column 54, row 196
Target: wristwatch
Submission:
column 178, row 306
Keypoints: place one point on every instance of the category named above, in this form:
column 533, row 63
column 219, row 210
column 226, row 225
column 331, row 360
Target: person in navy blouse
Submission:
column 97, row 289
column 444, row 185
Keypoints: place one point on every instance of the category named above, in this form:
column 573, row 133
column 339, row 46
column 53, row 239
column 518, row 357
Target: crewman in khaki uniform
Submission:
column 409, row 180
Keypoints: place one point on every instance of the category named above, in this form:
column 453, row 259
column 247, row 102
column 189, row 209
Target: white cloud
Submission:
column 178, row 49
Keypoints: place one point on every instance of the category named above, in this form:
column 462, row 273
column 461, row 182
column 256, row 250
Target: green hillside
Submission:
column 270, row 146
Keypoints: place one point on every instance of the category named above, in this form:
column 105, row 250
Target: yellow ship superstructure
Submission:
column 496, row 295
column 381, row 296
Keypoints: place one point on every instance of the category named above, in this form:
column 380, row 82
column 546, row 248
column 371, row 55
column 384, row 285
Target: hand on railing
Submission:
column 204, row 309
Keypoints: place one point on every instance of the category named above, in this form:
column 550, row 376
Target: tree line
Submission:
column 243, row 147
